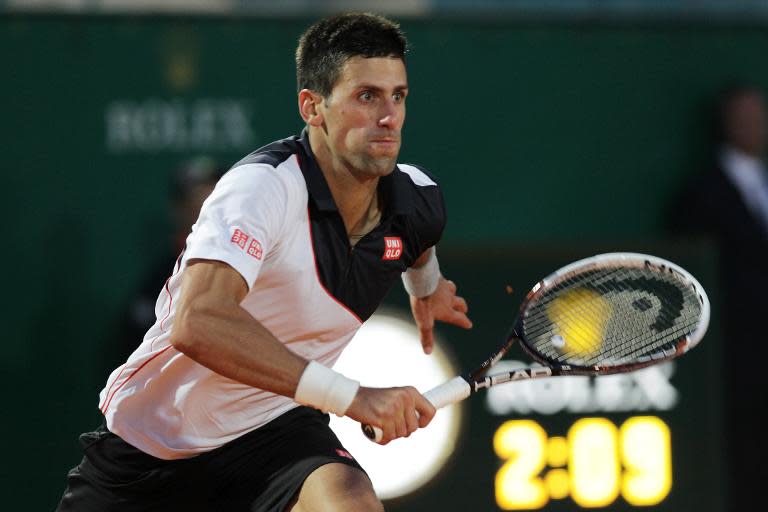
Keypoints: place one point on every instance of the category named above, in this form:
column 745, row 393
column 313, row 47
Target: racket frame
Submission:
column 553, row 368
column 470, row 383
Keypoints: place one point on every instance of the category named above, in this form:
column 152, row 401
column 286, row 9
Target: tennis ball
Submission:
column 579, row 318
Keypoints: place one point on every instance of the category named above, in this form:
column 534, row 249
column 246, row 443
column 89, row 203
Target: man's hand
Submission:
column 398, row 412
column 443, row 305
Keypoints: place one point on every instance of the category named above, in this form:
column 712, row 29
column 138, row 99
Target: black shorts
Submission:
column 258, row 472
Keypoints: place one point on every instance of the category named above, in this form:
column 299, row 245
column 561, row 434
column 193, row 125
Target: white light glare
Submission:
column 386, row 352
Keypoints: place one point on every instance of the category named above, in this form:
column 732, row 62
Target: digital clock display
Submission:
column 593, row 460
column 594, row 463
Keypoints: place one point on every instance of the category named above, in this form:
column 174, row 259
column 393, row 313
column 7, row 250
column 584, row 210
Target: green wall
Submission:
column 539, row 135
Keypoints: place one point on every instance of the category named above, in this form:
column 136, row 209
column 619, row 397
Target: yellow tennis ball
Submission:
column 579, row 318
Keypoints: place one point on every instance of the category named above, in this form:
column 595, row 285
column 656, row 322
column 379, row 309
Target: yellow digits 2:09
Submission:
column 594, row 464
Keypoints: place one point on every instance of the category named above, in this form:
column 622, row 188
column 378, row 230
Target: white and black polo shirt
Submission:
column 273, row 219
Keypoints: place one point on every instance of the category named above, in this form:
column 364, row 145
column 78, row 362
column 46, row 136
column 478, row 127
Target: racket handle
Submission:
column 447, row 393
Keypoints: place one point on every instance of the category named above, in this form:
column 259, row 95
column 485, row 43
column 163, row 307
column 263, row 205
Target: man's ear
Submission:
column 309, row 102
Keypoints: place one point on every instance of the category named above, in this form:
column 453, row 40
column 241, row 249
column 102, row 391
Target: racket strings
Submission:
column 610, row 316
column 627, row 340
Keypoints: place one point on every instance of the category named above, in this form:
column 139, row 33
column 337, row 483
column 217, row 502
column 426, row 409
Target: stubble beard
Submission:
column 369, row 166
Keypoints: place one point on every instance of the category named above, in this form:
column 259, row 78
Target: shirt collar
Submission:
column 397, row 192
column 313, row 176
column 395, row 188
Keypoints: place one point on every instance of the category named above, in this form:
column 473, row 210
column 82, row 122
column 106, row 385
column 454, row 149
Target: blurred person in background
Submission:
column 224, row 405
column 729, row 205
column 190, row 184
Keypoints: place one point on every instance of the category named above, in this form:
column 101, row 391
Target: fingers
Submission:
column 459, row 304
column 412, row 418
column 446, row 306
column 459, row 319
column 458, row 314
column 401, row 426
column 389, row 431
column 404, row 419
column 398, row 412
column 426, row 411
column 427, row 338
column 425, row 320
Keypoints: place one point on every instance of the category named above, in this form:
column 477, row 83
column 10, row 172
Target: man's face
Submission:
column 745, row 123
column 364, row 114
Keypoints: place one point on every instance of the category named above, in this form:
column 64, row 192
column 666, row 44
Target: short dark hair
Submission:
column 327, row 45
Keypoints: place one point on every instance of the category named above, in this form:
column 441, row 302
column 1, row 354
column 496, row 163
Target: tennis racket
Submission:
column 610, row 313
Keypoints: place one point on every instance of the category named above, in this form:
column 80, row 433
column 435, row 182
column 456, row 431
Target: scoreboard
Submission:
column 610, row 445
column 648, row 440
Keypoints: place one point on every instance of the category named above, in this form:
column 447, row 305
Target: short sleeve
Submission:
column 241, row 220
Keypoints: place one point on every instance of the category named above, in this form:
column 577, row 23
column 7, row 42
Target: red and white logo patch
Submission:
column 255, row 249
column 393, row 248
column 239, row 238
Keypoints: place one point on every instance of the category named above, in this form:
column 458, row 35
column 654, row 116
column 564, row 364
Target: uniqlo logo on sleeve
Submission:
column 255, row 249
column 393, row 248
column 239, row 238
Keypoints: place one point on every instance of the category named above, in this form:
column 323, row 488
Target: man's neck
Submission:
column 353, row 193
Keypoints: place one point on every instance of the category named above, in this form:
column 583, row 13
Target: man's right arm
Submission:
column 211, row 328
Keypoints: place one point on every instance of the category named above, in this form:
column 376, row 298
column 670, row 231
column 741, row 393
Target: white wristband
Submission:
column 422, row 281
column 325, row 389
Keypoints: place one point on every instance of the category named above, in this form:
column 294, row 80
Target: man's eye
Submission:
column 366, row 96
column 398, row 96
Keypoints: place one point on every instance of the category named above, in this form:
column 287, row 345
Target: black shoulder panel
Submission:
column 272, row 154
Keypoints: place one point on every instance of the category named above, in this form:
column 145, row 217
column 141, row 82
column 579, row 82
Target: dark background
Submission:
column 551, row 141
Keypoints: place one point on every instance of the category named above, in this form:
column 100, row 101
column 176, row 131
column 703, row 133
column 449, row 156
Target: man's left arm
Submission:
column 433, row 298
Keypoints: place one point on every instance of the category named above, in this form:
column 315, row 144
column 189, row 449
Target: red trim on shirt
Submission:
column 176, row 268
column 170, row 304
column 106, row 396
column 317, row 271
column 109, row 399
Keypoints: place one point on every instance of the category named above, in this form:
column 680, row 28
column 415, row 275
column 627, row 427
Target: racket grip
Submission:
column 447, row 393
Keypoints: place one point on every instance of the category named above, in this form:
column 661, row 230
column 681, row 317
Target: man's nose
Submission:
column 391, row 115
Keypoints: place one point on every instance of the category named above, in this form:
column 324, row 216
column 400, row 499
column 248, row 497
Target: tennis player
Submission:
column 224, row 404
